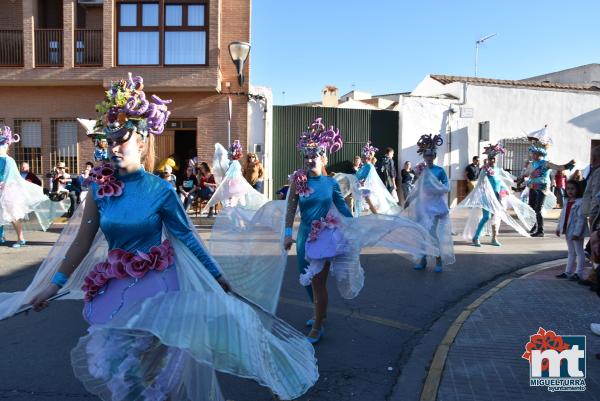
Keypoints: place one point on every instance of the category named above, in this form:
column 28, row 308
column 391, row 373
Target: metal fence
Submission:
column 517, row 152
column 356, row 127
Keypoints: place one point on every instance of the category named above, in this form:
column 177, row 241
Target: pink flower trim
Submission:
column 488, row 170
column 121, row 264
column 301, row 180
column 104, row 177
column 317, row 226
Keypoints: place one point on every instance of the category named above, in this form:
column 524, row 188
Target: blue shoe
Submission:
column 316, row 340
column 495, row 242
column 422, row 264
column 438, row 268
column 310, row 322
column 18, row 244
column 2, row 240
column 476, row 242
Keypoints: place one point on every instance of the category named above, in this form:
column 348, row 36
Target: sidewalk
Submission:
column 484, row 362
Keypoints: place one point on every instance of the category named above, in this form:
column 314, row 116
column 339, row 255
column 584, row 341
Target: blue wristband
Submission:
column 288, row 231
column 60, row 279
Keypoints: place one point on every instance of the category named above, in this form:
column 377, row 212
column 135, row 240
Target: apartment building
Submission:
column 58, row 56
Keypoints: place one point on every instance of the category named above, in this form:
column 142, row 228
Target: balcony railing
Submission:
column 11, row 48
column 88, row 47
column 48, row 47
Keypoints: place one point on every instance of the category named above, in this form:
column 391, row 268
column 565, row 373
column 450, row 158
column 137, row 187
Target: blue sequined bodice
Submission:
column 497, row 183
column 2, row 167
column 133, row 221
column 325, row 192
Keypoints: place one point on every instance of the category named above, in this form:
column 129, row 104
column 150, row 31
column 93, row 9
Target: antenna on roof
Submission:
column 477, row 43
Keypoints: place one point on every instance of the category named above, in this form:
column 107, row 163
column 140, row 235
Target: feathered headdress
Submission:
column 369, row 150
column 235, row 150
column 125, row 108
column 493, row 150
column 540, row 141
column 318, row 141
column 7, row 137
column 429, row 143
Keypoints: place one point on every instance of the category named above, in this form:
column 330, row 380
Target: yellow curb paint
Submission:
column 438, row 363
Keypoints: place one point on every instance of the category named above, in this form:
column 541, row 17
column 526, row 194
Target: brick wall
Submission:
column 11, row 14
column 44, row 103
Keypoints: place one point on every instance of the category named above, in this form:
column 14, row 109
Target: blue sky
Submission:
column 388, row 46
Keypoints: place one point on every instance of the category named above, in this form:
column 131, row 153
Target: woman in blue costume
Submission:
column 428, row 203
column 161, row 322
column 19, row 197
column 314, row 193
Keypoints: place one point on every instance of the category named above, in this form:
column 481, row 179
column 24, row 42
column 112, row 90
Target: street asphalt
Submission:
column 363, row 356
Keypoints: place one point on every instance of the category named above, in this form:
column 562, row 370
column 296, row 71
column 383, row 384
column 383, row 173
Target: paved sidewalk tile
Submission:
column 485, row 363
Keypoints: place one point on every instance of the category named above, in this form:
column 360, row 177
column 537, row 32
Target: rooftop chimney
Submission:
column 330, row 96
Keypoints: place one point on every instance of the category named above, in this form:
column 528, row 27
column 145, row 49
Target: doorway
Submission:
column 185, row 146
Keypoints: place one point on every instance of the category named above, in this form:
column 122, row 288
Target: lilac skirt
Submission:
column 121, row 293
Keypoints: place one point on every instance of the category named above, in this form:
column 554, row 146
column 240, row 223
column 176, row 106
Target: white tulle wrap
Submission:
column 234, row 191
column 373, row 187
column 19, row 198
column 209, row 329
column 483, row 197
column 257, row 265
column 220, row 163
column 427, row 205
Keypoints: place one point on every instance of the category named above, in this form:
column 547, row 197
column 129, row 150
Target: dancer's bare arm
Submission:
column 76, row 252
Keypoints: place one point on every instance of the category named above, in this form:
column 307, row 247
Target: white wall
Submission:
column 573, row 118
column 260, row 131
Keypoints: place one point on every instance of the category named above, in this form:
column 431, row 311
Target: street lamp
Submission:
column 477, row 43
column 239, row 53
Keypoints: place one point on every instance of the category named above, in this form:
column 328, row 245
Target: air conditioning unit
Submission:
column 90, row 2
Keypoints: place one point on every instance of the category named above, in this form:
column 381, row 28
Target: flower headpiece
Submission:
column 369, row 150
column 493, row 150
column 429, row 143
column 318, row 141
column 7, row 137
column 125, row 108
column 235, row 150
column 540, row 141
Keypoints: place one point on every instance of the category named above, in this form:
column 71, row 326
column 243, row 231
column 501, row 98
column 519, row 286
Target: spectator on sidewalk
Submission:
column 577, row 176
column 560, row 187
column 590, row 204
column 357, row 164
column 28, row 175
column 169, row 161
column 61, row 186
column 472, row 174
column 573, row 224
column 253, row 172
column 167, row 175
column 387, row 170
column 85, row 174
column 207, row 185
column 188, row 188
column 407, row 176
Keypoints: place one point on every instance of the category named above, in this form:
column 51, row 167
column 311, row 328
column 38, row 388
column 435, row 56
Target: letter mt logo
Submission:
column 556, row 362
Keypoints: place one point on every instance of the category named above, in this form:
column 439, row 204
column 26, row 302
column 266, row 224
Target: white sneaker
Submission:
column 595, row 327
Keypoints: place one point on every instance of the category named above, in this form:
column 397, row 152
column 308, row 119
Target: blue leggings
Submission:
column 484, row 219
column 1, row 232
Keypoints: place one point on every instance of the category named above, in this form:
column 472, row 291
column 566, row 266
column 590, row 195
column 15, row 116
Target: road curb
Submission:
column 436, row 368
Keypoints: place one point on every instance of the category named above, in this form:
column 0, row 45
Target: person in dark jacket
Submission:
column 386, row 169
column 28, row 175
